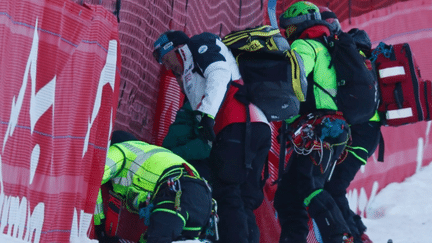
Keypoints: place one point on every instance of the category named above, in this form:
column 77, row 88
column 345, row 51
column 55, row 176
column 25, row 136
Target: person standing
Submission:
column 320, row 135
column 365, row 140
column 205, row 70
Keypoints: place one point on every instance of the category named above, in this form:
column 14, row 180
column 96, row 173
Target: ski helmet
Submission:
column 167, row 42
column 331, row 18
column 298, row 13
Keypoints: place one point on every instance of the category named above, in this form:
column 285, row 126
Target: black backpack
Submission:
column 273, row 75
column 357, row 94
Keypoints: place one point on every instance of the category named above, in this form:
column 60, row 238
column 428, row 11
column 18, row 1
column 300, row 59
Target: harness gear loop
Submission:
column 212, row 228
column 307, row 137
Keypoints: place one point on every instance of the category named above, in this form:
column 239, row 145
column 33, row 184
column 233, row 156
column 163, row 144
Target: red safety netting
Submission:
column 141, row 22
column 344, row 9
column 59, row 78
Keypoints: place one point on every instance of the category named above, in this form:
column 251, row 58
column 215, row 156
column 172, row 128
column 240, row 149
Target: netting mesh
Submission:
column 141, row 22
column 148, row 101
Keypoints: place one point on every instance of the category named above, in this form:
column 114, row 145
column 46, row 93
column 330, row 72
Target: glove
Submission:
column 205, row 127
column 102, row 236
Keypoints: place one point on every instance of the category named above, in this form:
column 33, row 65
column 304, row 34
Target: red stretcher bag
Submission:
column 399, row 83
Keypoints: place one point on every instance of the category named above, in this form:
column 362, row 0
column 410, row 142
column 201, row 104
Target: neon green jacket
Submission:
column 316, row 59
column 134, row 168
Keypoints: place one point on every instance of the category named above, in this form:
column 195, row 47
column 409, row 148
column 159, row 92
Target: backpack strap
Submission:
column 241, row 95
column 325, row 43
column 282, row 148
column 381, row 148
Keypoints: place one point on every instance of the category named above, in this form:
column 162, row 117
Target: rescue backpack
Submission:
column 273, row 74
column 405, row 96
column 357, row 90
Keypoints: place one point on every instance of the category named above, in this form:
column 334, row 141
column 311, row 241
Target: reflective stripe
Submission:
column 192, row 228
column 138, row 162
column 400, row 113
column 170, row 211
column 123, row 181
column 311, row 196
column 163, row 202
column 392, row 71
column 359, row 148
column 99, row 214
column 358, row 157
column 111, row 164
column 333, row 92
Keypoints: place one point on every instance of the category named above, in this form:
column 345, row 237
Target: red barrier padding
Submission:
column 59, row 73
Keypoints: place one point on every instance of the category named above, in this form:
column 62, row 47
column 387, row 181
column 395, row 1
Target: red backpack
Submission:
column 404, row 97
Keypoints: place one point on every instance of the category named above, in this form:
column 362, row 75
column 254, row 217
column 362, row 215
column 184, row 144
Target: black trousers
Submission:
column 237, row 190
column 364, row 137
column 167, row 224
column 303, row 184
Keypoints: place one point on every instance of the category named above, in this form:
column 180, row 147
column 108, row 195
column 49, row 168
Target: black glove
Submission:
column 102, row 236
column 205, row 127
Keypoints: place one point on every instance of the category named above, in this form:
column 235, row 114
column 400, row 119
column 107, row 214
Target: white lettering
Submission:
column 14, row 213
column 80, row 231
column 18, row 102
column 107, row 77
column 34, row 161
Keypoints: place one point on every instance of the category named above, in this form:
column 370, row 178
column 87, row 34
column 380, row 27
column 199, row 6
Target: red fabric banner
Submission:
column 59, row 73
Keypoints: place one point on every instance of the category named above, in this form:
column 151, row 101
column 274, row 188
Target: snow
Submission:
column 403, row 211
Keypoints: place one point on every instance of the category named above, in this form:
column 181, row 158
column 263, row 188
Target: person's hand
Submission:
column 205, row 127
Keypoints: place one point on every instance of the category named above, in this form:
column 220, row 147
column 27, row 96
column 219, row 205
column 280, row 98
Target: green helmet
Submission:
column 298, row 13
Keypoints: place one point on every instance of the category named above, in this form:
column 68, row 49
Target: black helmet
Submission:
column 331, row 19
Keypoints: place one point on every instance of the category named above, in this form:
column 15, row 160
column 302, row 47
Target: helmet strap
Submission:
column 299, row 19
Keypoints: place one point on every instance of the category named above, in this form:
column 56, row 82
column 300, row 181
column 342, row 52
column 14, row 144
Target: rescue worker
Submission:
column 319, row 136
column 160, row 186
column 365, row 140
column 206, row 70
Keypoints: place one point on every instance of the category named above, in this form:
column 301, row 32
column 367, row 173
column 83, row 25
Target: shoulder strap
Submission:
column 313, row 80
column 381, row 148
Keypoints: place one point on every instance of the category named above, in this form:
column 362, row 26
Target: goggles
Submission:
column 162, row 47
column 167, row 42
column 285, row 22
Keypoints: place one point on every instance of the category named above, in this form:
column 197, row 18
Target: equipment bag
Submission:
column 357, row 92
column 399, row 83
column 273, row 75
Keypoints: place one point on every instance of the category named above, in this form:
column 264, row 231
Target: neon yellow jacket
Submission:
column 134, row 168
column 316, row 59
